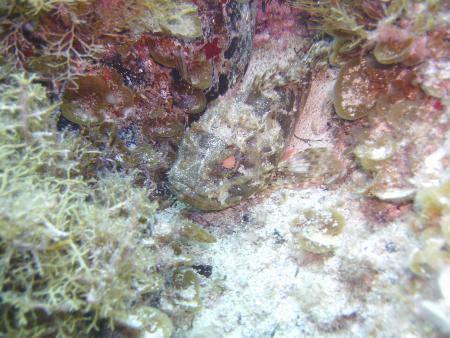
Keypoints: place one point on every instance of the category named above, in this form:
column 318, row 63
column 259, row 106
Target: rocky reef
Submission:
column 232, row 168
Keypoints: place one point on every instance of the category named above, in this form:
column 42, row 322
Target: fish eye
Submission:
column 227, row 162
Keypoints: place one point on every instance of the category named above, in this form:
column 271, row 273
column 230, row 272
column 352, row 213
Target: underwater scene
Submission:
column 224, row 168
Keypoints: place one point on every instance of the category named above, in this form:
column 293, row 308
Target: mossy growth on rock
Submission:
column 393, row 80
column 73, row 252
column 394, row 29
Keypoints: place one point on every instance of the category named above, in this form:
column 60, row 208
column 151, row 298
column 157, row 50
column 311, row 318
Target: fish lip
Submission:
column 192, row 198
column 187, row 194
column 178, row 187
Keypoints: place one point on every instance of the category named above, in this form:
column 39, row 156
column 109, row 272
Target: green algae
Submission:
column 76, row 255
column 340, row 20
column 195, row 233
column 360, row 85
column 71, row 254
column 34, row 7
column 97, row 97
column 176, row 18
column 389, row 53
column 186, row 289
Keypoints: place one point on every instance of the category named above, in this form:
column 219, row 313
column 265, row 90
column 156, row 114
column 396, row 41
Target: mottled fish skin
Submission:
column 252, row 126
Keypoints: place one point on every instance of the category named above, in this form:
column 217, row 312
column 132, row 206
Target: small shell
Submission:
column 185, row 291
column 371, row 155
column 320, row 165
column 315, row 230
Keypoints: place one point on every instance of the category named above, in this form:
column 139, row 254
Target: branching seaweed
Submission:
column 52, row 38
column 71, row 251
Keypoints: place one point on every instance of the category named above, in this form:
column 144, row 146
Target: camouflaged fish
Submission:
column 230, row 153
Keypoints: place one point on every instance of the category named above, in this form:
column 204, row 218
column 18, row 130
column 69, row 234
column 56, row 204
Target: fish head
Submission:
column 211, row 173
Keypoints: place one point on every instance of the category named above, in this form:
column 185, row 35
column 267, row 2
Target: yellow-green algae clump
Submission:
column 431, row 262
column 74, row 259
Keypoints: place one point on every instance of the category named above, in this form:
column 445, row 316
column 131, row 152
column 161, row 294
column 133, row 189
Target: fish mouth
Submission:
column 209, row 197
column 194, row 198
column 198, row 177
